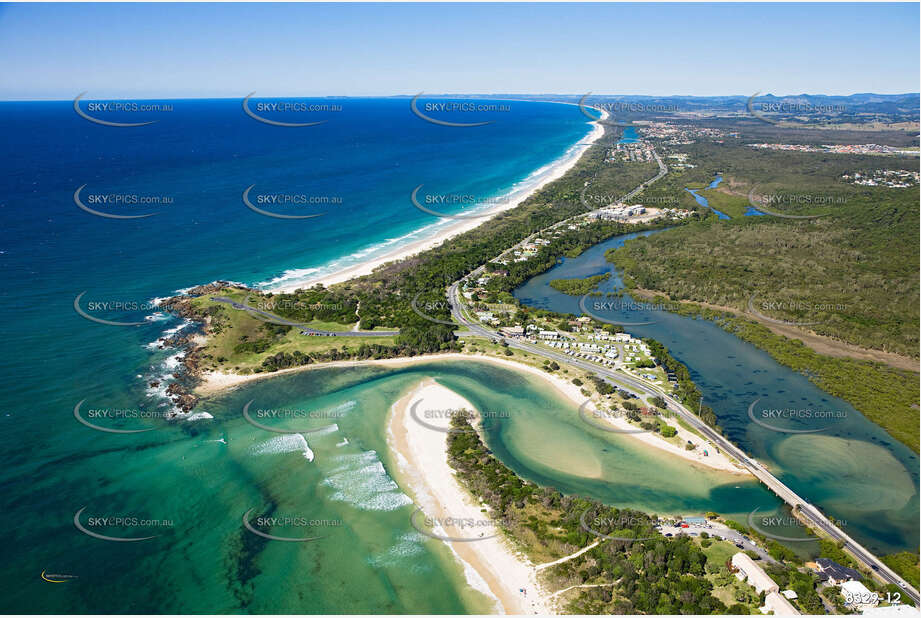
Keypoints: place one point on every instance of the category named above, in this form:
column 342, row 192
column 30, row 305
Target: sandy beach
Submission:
column 490, row 563
column 215, row 382
column 554, row 171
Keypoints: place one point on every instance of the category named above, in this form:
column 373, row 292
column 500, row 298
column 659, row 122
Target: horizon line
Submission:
column 455, row 94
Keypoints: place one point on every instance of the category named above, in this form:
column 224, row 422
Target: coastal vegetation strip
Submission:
column 548, row 525
column 578, row 287
column 905, row 564
column 634, row 568
column 242, row 342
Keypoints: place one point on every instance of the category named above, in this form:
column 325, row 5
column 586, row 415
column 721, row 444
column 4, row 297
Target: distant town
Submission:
column 894, row 179
column 858, row 149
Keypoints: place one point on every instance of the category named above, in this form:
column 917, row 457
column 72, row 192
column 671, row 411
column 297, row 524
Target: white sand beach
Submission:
column 491, row 564
column 552, row 172
column 214, row 382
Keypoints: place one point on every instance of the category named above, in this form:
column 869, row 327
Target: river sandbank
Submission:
column 490, row 562
column 216, row 382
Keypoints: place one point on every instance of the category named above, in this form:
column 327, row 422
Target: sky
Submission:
column 175, row 50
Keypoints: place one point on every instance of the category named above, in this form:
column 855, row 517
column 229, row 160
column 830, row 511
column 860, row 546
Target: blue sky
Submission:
column 228, row 50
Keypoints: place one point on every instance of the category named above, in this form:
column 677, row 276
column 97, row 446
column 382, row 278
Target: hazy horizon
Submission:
column 191, row 50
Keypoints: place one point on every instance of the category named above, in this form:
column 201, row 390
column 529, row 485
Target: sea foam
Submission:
column 360, row 480
column 289, row 443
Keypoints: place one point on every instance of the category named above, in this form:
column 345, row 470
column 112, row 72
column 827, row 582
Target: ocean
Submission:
column 189, row 170
column 189, row 485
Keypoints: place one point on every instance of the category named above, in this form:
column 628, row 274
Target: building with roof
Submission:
column 775, row 602
column 834, row 573
column 858, row 596
column 757, row 578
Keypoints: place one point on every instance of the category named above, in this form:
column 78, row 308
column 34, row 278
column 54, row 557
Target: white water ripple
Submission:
column 361, row 481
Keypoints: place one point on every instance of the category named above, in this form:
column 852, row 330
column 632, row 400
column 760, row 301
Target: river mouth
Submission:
column 803, row 432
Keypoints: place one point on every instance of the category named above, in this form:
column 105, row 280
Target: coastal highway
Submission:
column 809, row 512
column 274, row 319
column 663, row 170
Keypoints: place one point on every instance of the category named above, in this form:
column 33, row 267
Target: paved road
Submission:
column 663, row 170
column 815, row 518
column 719, row 531
column 634, row 385
column 274, row 319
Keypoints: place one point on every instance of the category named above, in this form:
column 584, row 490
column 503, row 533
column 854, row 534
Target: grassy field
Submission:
column 232, row 327
column 732, row 205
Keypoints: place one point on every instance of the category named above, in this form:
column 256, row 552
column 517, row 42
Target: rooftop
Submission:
column 835, row 571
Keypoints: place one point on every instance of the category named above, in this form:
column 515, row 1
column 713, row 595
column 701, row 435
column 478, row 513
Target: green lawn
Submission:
column 231, row 327
column 732, row 205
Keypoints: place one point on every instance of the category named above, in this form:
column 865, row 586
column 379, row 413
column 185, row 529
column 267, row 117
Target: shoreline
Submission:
column 554, row 170
column 821, row 344
column 490, row 565
column 215, row 382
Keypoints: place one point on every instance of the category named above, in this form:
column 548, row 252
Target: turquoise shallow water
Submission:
column 848, row 466
column 202, row 478
column 199, row 478
column 202, row 156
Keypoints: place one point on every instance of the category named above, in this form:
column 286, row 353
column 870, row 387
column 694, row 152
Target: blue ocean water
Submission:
column 190, row 169
column 200, row 157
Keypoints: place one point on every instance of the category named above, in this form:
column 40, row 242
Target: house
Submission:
column 775, row 602
column 487, row 317
column 757, row 578
column 834, row 573
column 858, row 596
column 548, row 334
column 513, row 331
